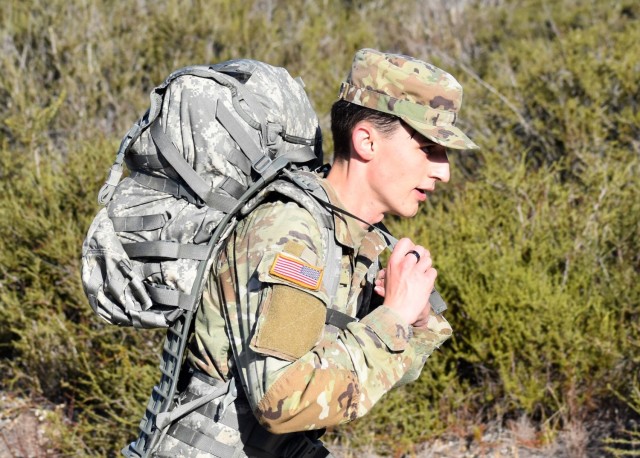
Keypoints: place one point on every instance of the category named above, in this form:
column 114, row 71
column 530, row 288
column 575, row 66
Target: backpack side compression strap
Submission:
column 197, row 184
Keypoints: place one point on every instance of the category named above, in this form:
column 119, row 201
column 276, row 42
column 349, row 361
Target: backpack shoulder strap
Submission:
column 306, row 190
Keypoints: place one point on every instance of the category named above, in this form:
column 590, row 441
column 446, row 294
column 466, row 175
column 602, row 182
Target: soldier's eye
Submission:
column 428, row 149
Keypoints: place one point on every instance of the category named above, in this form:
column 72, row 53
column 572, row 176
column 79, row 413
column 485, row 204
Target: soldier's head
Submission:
column 392, row 127
column 389, row 89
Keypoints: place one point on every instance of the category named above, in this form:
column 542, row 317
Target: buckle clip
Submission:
column 262, row 164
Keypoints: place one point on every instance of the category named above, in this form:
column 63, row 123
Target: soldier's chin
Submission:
column 405, row 213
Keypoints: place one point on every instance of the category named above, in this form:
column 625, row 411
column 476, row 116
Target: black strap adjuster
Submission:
column 304, row 446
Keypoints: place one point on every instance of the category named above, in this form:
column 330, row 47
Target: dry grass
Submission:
column 536, row 239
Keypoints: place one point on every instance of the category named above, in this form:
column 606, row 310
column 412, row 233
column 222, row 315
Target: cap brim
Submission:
column 448, row 136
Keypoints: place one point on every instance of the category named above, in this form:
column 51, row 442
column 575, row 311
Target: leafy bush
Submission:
column 536, row 239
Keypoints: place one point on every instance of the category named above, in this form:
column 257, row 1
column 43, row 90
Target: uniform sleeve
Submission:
column 297, row 376
column 425, row 342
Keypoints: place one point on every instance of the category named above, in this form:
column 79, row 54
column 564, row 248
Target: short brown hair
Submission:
column 345, row 115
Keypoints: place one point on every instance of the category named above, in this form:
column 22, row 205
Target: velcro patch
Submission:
column 291, row 323
column 296, row 271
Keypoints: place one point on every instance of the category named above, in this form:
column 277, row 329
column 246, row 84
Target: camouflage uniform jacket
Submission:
column 297, row 373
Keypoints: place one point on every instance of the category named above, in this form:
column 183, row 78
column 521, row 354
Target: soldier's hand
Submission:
column 408, row 281
column 379, row 284
column 422, row 319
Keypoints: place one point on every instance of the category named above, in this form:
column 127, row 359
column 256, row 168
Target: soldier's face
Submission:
column 408, row 166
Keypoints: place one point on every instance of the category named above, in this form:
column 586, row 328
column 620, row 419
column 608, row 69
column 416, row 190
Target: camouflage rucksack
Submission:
column 212, row 139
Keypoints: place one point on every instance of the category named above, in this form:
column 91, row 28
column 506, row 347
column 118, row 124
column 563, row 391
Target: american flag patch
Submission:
column 295, row 271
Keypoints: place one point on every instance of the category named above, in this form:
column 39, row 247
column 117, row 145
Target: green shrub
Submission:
column 52, row 344
column 536, row 239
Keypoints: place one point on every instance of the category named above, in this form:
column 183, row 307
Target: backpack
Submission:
column 212, row 139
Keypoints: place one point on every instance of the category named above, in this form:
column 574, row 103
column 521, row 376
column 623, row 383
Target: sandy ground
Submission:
column 23, row 422
column 495, row 443
column 22, row 429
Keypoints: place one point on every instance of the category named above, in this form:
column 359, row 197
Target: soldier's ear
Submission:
column 362, row 141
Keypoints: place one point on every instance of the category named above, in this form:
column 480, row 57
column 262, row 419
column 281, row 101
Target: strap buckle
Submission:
column 274, row 131
column 262, row 164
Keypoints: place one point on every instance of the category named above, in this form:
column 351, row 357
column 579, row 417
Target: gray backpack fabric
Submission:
column 213, row 137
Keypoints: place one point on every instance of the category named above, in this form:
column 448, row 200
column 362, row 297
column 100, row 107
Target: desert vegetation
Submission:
column 536, row 238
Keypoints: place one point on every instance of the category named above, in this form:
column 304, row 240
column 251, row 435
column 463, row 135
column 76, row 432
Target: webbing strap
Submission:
column 240, row 95
column 166, row 418
column 166, row 185
column 195, row 439
column 173, row 156
column 338, row 319
column 167, row 250
column 137, row 223
column 438, row 305
column 212, row 411
column 220, row 202
column 242, row 137
column 144, row 161
column 242, row 162
column 115, row 173
column 150, row 268
column 170, row 297
column 200, row 441
column 232, row 187
column 197, row 184
column 333, row 266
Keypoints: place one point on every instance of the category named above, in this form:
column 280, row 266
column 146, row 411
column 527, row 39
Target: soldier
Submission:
column 263, row 321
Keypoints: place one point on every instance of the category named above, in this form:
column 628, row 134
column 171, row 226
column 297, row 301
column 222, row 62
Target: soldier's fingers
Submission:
column 401, row 248
column 418, row 255
column 424, row 260
column 412, row 257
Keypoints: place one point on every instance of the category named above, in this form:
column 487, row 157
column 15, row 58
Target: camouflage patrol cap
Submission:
column 422, row 95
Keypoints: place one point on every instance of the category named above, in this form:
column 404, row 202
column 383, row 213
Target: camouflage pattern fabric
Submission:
column 342, row 374
column 188, row 116
column 206, row 433
column 424, row 96
column 152, row 206
column 198, row 421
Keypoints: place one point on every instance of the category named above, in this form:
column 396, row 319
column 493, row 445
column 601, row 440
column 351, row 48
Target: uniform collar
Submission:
column 348, row 230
